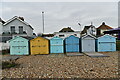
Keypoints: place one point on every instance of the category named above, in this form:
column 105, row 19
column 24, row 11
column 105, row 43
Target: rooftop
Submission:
column 104, row 26
column 68, row 29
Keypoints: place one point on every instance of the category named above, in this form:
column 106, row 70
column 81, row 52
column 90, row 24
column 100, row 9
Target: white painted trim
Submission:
column 88, row 35
column 106, row 35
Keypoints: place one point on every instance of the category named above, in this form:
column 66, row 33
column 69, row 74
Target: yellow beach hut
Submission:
column 39, row 45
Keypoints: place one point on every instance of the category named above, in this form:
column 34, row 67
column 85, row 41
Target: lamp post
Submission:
column 80, row 28
column 43, row 20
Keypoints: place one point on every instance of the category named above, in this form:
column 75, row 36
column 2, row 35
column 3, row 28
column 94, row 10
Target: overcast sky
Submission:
column 62, row 14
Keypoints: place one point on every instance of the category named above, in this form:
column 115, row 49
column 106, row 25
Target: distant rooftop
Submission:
column 104, row 26
column 68, row 29
column 86, row 28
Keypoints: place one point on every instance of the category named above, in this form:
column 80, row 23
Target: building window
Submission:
column 61, row 35
column 20, row 29
column 12, row 29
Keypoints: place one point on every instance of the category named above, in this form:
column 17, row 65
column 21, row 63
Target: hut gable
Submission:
column 106, row 38
column 71, row 36
column 18, row 38
column 88, row 37
column 39, row 38
column 56, row 38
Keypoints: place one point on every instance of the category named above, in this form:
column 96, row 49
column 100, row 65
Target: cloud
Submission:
column 63, row 14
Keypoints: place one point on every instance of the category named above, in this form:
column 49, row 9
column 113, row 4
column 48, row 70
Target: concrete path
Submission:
column 74, row 54
column 9, row 58
column 95, row 54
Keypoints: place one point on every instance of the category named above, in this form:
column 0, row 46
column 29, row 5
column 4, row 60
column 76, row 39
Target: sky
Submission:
column 58, row 15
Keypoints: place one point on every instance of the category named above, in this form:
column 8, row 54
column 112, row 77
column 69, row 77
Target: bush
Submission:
column 118, row 45
column 8, row 64
column 7, row 51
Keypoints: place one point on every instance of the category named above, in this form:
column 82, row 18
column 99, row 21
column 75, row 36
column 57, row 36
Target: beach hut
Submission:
column 106, row 43
column 88, row 43
column 19, row 46
column 56, row 45
column 39, row 45
column 72, row 44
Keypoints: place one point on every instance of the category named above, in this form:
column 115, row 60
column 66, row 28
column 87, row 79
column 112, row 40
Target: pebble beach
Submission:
column 61, row 66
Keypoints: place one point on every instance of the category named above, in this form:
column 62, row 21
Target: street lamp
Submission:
column 43, row 20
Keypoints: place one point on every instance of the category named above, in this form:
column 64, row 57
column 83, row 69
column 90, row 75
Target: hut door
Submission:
column 88, row 45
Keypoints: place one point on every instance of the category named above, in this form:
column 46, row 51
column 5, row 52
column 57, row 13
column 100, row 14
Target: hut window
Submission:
column 61, row 35
column 75, row 34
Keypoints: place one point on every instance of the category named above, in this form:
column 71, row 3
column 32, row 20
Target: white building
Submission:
column 65, row 32
column 89, row 30
column 17, row 26
column 1, row 26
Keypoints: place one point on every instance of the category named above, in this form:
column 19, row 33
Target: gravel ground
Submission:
column 59, row 66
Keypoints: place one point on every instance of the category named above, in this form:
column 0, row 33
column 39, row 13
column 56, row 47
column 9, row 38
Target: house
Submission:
column 89, row 30
column 1, row 25
column 88, row 43
column 106, row 43
column 39, row 45
column 17, row 26
column 102, row 28
column 65, row 32
column 56, row 45
column 72, row 44
column 19, row 46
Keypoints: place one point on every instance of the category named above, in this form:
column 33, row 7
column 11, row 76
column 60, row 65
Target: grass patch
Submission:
column 118, row 45
column 8, row 64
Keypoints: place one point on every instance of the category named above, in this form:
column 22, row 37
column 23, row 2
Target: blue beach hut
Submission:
column 56, row 45
column 106, row 43
column 19, row 46
column 72, row 44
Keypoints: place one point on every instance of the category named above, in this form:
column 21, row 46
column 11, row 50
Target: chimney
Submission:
column 21, row 18
column 103, row 23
